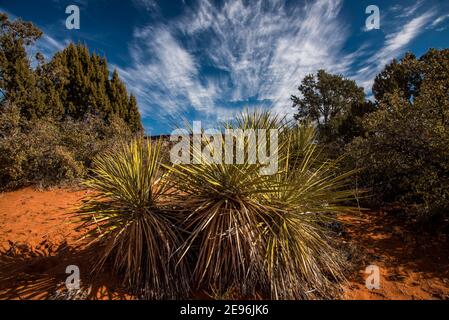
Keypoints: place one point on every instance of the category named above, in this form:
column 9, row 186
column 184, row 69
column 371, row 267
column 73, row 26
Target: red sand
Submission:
column 38, row 241
column 413, row 265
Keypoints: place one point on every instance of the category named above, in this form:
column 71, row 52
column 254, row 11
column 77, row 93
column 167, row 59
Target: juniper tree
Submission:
column 74, row 84
column 17, row 79
column 90, row 91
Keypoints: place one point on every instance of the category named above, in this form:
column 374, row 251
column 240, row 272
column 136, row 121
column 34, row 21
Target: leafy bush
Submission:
column 93, row 136
column 405, row 155
column 55, row 118
column 30, row 153
column 47, row 152
column 334, row 104
column 131, row 216
column 404, row 152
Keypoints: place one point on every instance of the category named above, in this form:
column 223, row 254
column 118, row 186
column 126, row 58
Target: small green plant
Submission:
column 131, row 217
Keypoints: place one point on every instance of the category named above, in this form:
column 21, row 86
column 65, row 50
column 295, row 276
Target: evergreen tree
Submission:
column 423, row 81
column 404, row 155
column 88, row 89
column 398, row 76
column 50, row 82
column 133, row 119
column 118, row 96
column 75, row 84
column 17, row 79
column 434, row 85
column 77, row 88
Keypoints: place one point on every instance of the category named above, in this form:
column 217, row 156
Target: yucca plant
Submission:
column 256, row 233
column 131, row 216
column 223, row 215
column 301, row 261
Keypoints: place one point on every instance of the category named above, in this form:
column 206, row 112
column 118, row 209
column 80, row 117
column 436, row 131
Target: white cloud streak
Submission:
column 438, row 21
column 261, row 51
column 258, row 51
column 213, row 60
column 164, row 74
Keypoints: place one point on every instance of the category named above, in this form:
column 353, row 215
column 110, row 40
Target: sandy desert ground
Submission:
column 38, row 240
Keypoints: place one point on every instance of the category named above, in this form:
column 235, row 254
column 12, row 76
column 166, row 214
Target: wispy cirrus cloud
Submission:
column 410, row 10
column 439, row 20
column 255, row 53
column 164, row 74
column 214, row 59
column 438, row 23
column 210, row 59
column 148, row 5
column 48, row 45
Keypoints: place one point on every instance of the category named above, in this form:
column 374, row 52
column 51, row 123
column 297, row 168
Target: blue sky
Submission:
column 206, row 60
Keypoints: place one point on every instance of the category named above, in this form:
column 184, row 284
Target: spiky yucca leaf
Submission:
column 259, row 119
column 130, row 216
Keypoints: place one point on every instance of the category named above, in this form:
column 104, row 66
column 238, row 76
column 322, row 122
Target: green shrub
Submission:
column 93, row 136
column 47, row 152
column 405, row 156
